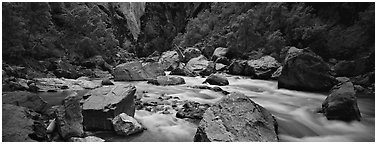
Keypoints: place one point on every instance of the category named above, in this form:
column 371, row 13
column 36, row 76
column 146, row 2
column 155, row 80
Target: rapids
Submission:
column 295, row 112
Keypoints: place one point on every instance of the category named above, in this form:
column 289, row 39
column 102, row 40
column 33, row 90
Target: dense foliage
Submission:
column 266, row 28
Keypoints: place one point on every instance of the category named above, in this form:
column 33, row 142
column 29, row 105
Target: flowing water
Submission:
column 295, row 112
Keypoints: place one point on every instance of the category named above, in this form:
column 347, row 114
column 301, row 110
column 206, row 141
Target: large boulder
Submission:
column 353, row 68
column 16, row 124
column 304, row 70
column 25, row 99
column 167, row 80
column 55, row 84
column 197, row 64
column 223, row 60
column 101, row 105
column 207, row 51
column 236, row 118
column 126, row 125
column 215, row 79
column 137, row 71
column 170, row 59
column 341, row 104
column 190, row 53
column 193, row 110
column 219, row 52
column 237, row 67
column 211, row 68
column 69, row 118
column 261, row 68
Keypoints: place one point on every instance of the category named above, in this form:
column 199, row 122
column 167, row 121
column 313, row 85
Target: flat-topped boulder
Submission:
column 137, row 71
column 262, row 68
column 101, row 105
column 236, row 118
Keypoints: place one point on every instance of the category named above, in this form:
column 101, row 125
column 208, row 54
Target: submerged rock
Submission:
column 16, row 124
column 101, row 105
column 167, row 80
column 193, row 110
column 215, row 79
column 341, row 104
column 86, row 139
column 137, row 71
column 107, row 81
column 69, row 118
column 304, row 70
column 25, row 99
column 236, row 118
column 126, row 125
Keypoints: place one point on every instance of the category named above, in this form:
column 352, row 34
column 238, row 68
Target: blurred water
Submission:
column 295, row 112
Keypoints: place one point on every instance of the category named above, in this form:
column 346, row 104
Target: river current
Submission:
column 295, row 112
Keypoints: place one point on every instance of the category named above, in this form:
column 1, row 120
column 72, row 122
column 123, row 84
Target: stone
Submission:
column 55, row 84
column 62, row 68
column 341, row 104
column 183, row 71
column 137, row 71
column 304, row 70
column 190, row 53
column 207, row 51
column 197, row 64
column 193, row 110
column 126, row 125
column 101, row 105
column 223, row 60
column 86, row 139
column 107, row 81
column 25, row 99
column 261, row 68
column 219, row 52
column 97, row 62
column 237, row 67
column 215, row 79
column 364, row 80
column 69, row 117
column 16, row 124
column 167, row 80
column 236, row 118
column 220, row 67
column 211, row 68
column 170, row 60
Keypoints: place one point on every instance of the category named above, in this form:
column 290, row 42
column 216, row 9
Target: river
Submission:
column 295, row 112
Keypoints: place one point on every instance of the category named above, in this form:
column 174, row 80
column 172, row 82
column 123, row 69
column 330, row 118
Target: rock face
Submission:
column 219, row 52
column 215, row 79
column 25, row 99
column 192, row 110
column 137, row 71
column 69, row 118
column 101, row 105
column 236, row 118
column 261, row 68
column 304, row 70
column 352, row 68
column 86, row 139
column 16, row 124
column 167, row 80
column 341, row 104
column 237, row 67
column 197, row 64
column 190, row 53
column 126, row 125
column 170, row 60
